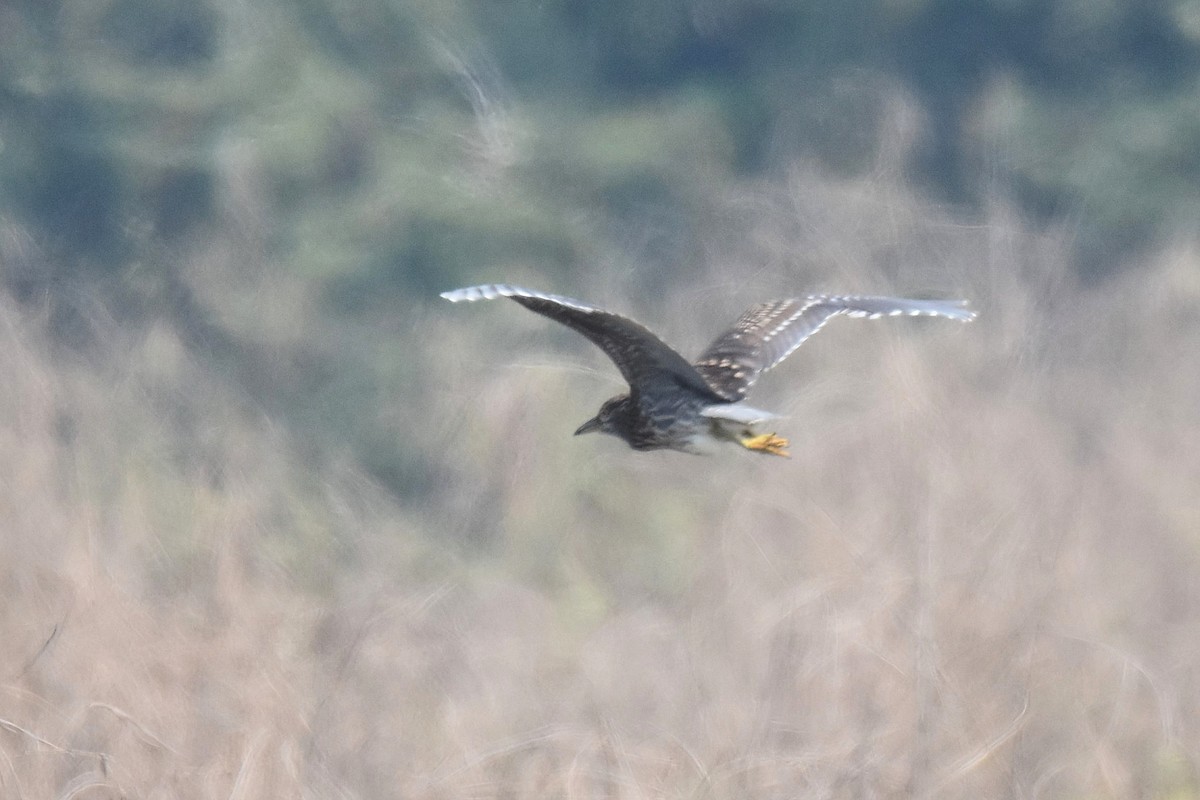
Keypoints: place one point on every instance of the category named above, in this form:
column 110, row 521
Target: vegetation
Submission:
column 278, row 522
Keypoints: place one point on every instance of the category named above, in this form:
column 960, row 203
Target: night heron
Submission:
column 675, row 405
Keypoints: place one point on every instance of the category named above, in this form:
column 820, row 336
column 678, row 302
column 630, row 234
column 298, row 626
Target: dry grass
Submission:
column 977, row 577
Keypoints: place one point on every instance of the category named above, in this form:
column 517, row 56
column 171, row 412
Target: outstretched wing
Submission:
column 770, row 332
column 643, row 358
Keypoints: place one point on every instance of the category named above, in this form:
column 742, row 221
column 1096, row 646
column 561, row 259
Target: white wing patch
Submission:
column 737, row 412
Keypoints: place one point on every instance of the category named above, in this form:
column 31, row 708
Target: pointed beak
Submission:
column 591, row 426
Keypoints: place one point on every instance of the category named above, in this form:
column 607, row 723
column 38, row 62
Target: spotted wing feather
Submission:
column 643, row 359
column 770, row 332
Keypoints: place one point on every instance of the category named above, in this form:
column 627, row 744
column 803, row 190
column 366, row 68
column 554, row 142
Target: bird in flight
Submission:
column 693, row 407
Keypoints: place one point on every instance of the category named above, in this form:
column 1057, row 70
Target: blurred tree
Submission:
column 1087, row 109
column 201, row 160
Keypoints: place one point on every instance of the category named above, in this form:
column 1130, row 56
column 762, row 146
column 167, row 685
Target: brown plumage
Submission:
column 690, row 407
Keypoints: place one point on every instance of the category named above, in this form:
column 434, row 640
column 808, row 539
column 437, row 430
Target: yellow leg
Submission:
column 766, row 443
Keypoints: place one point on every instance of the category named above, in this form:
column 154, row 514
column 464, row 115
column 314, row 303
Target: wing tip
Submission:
column 961, row 310
column 958, row 310
column 490, row 291
column 486, row 291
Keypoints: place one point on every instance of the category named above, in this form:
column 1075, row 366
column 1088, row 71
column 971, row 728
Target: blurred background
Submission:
column 276, row 521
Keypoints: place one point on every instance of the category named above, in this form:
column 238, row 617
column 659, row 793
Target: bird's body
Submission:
column 677, row 405
column 692, row 423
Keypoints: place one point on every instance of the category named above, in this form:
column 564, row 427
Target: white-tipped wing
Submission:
column 770, row 332
column 644, row 360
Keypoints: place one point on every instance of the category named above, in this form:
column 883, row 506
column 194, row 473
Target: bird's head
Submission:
column 611, row 419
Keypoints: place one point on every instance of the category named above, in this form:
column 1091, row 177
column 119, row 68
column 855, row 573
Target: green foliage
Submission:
column 394, row 153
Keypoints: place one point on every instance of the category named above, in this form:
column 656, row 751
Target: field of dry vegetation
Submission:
column 978, row 576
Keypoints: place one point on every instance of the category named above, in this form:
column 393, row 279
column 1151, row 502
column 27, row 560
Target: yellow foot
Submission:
column 767, row 443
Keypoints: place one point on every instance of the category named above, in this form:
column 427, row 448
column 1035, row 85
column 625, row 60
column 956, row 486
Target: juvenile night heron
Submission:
column 675, row 405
